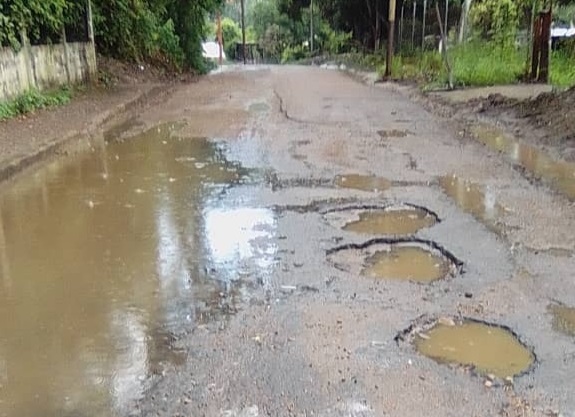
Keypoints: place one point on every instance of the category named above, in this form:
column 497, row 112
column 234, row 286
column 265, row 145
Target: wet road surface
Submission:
column 255, row 245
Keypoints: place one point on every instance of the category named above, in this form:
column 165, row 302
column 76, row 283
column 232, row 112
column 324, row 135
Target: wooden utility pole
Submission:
column 390, row 33
column 541, row 40
column 243, row 31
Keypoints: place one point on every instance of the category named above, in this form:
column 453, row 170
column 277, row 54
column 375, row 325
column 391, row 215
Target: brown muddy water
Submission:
column 478, row 201
column 362, row 182
column 399, row 259
column 560, row 174
column 563, row 319
column 406, row 263
column 107, row 257
column 404, row 221
column 489, row 349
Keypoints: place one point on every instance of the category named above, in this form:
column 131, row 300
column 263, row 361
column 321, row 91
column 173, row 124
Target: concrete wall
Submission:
column 45, row 66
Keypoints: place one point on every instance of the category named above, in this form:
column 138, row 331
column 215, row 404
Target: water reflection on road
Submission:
column 560, row 174
column 107, row 257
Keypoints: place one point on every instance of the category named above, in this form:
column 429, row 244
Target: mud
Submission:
column 488, row 349
column 554, row 114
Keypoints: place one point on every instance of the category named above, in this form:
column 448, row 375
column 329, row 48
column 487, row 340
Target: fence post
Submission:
column 536, row 55
column 545, row 38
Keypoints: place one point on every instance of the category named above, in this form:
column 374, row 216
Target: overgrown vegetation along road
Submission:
column 166, row 32
column 34, row 100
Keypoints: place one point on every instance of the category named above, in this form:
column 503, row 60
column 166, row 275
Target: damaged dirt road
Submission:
column 286, row 241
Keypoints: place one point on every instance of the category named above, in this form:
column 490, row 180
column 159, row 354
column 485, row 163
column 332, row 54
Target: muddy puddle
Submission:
column 406, row 263
column 399, row 220
column 490, row 350
column 563, row 319
column 480, row 202
column 415, row 261
column 108, row 257
column 362, row 182
column 560, row 174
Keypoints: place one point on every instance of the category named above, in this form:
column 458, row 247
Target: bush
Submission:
column 334, row 42
column 231, row 34
column 294, row 53
column 33, row 100
column 169, row 46
column 426, row 67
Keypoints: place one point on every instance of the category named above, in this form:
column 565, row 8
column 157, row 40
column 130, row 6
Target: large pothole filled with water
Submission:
column 362, row 182
column 398, row 220
column 412, row 260
column 487, row 349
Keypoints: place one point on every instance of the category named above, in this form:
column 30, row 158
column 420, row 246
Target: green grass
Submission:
column 478, row 64
column 562, row 70
column 486, row 64
column 34, row 100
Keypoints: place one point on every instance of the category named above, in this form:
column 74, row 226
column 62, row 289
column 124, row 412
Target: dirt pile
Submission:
column 554, row 112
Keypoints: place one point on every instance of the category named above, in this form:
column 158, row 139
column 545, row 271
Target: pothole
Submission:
column 563, row 319
column 362, row 182
column 399, row 220
column 412, row 260
column 486, row 348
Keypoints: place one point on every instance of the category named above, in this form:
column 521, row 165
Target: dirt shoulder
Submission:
column 121, row 88
column 531, row 113
column 34, row 137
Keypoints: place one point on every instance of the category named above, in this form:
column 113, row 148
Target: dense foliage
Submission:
column 164, row 31
column 170, row 31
